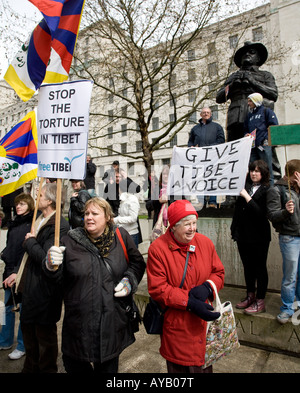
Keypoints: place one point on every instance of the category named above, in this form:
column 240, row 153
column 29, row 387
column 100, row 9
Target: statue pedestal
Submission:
column 218, row 230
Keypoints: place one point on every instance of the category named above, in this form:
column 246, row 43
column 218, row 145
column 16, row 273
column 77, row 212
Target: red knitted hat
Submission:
column 179, row 209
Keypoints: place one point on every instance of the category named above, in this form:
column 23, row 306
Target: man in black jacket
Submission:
column 89, row 180
column 206, row 133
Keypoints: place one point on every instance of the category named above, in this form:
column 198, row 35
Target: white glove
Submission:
column 123, row 288
column 55, row 256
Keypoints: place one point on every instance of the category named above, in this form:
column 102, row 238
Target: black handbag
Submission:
column 153, row 318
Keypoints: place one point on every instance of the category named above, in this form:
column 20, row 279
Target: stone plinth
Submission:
column 218, row 230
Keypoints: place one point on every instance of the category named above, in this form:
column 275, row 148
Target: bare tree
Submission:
column 138, row 50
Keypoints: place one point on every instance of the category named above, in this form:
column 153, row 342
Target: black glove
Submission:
column 202, row 292
column 202, row 309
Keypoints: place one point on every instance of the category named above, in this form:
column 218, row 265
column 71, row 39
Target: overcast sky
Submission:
column 26, row 16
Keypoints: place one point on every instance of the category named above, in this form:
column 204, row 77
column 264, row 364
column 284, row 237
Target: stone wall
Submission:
column 218, row 230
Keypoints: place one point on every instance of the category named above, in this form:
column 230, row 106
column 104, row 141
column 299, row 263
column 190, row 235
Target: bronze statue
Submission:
column 249, row 79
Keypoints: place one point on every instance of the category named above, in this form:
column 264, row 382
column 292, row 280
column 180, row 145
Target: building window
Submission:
column 111, row 115
column 111, row 82
column 211, row 48
column 109, row 150
column 257, row 34
column 171, row 117
column 173, row 100
column 193, row 118
column 131, row 168
column 109, row 132
column 191, row 75
column 173, row 80
column 124, row 93
column 213, row 69
column 110, row 98
column 173, row 141
column 155, row 123
column 191, row 54
column 192, row 95
column 123, row 148
column 233, row 41
column 124, row 129
column 215, row 112
column 124, row 111
column 139, row 146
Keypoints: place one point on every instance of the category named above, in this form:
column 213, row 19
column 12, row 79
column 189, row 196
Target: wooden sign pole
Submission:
column 36, row 205
column 58, row 212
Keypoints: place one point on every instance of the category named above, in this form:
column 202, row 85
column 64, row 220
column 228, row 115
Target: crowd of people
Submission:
column 97, row 267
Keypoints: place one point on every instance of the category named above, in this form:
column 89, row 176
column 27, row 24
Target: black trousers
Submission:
column 177, row 368
column 41, row 348
column 254, row 259
column 73, row 366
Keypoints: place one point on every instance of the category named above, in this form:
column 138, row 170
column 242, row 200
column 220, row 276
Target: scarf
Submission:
column 104, row 241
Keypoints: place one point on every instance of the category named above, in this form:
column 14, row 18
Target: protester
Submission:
column 89, row 180
column 98, row 287
column 109, row 175
column 284, row 212
column 12, row 256
column 256, row 124
column 8, row 206
column 184, row 330
column 250, row 228
column 151, row 187
column 77, row 202
column 41, row 299
column 159, row 198
column 111, row 190
column 128, row 212
column 206, row 133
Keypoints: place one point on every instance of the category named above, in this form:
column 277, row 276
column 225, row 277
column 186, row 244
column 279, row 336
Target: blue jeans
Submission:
column 8, row 330
column 135, row 238
column 290, row 286
column 212, row 199
column 265, row 155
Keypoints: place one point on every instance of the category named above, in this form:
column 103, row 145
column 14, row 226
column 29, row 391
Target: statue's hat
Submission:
column 261, row 49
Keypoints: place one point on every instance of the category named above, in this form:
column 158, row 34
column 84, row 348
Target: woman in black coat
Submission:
column 98, row 286
column 250, row 228
column 12, row 256
column 77, row 202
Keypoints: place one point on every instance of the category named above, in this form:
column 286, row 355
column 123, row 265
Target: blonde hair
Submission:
column 102, row 204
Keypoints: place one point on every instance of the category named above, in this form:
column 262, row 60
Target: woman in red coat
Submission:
column 183, row 339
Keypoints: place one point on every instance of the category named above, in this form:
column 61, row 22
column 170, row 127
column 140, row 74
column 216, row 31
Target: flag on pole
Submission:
column 51, row 10
column 47, row 55
column 18, row 155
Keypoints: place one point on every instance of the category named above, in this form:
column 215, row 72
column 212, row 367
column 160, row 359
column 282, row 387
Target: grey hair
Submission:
column 50, row 194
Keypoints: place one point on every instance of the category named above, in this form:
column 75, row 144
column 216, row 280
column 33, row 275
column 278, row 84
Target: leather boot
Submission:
column 256, row 307
column 247, row 301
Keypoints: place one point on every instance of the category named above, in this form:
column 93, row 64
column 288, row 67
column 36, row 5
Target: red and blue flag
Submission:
column 18, row 155
column 48, row 54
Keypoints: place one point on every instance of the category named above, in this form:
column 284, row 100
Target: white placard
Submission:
column 63, row 125
column 210, row 170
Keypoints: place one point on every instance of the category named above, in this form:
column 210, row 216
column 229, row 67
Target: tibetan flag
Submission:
column 47, row 55
column 51, row 10
column 18, row 155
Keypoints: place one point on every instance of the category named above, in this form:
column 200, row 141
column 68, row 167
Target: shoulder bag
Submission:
column 159, row 227
column 221, row 335
column 153, row 318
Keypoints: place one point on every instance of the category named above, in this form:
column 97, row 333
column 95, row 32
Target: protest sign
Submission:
column 63, row 125
column 288, row 134
column 210, row 170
